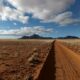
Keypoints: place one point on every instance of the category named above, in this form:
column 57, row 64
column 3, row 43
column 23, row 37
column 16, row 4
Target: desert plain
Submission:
column 40, row 59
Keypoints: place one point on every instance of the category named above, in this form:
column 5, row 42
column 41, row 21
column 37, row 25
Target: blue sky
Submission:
column 54, row 18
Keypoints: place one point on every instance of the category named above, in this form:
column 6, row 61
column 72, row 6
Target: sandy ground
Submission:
column 67, row 63
column 22, row 60
column 55, row 61
column 61, row 64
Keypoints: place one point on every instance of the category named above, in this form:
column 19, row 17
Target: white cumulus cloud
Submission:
column 46, row 10
column 26, row 31
column 65, row 18
column 7, row 13
column 42, row 9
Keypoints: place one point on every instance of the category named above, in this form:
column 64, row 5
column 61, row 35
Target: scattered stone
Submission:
column 29, row 77
column 34, row 59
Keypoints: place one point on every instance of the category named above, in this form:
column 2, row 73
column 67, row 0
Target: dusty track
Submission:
column 48, row 70
column 61, row 64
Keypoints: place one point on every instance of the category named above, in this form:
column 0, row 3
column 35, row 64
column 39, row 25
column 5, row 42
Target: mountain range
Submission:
column 36, row 36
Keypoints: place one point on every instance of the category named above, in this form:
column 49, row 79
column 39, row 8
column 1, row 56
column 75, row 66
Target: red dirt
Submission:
column 57, row 62
column 65, row 66
column 73, row 44
column 67, row 62
column 14, row 55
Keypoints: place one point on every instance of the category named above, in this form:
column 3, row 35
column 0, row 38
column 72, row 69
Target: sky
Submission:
column 50, row 18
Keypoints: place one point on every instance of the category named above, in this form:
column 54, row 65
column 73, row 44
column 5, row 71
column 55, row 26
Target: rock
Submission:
column 28, row 77
column 34, row 59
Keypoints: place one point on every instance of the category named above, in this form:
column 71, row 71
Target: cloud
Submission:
column 26, row 31
column 65, row 19
column 8, row 13
column 42, row 9
column 46, row 10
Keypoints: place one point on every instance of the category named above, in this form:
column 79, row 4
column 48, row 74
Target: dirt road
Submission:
column 61, row 64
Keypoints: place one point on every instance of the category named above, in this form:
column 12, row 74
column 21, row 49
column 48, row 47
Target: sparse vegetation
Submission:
column 19, row 58
column 39, row 59
column 74, row 45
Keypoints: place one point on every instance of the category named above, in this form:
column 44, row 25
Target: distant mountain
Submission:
column 35, row 36
column 69, row 37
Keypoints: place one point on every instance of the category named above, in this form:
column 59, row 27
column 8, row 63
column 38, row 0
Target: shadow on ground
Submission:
column 48, row 71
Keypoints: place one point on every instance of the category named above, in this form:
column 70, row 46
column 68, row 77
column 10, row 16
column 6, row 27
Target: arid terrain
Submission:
column 22, row 59
column 39, row 59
